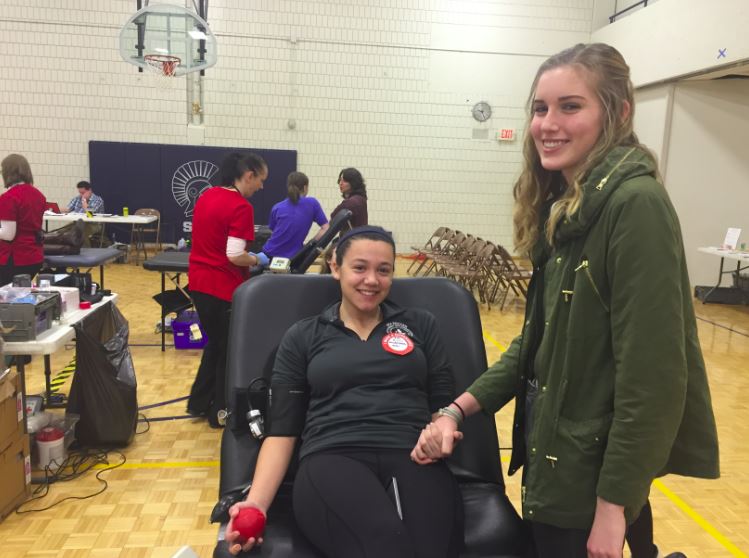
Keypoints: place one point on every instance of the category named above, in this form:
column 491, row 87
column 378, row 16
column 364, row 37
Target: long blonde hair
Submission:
column 609, row 75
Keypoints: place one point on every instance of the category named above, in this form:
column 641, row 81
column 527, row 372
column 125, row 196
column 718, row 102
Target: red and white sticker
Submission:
column 397, row 343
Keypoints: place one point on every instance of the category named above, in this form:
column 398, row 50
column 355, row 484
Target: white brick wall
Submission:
column 382, row 85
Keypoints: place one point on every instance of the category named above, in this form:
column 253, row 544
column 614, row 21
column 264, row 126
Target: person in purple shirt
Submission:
column 291, row 219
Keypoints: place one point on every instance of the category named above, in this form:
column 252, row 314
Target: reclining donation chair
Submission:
column 263, row 309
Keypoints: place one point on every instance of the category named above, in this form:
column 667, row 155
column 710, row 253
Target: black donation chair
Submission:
column 263, row 309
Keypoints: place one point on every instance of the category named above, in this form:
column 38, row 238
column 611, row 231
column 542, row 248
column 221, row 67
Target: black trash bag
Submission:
column 104, row 390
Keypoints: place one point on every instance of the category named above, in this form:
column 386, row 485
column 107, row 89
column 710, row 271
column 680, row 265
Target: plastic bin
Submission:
column 188, row 333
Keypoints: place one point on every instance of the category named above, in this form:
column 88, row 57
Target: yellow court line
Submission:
column 166, row 465
column 699, row 520
column 494, row 342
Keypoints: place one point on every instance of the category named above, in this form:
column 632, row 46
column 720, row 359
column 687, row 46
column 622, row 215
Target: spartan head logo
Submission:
column 189, row 181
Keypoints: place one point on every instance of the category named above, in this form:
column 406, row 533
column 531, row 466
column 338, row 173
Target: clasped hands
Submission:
column 436, row 441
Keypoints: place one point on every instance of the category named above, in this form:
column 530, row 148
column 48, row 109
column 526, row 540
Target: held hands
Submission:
column 262, row 259
column 606, row 538
column 236, row 542
column 436, row 441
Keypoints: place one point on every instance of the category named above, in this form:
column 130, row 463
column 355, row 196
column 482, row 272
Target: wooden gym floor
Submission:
column 161, row 498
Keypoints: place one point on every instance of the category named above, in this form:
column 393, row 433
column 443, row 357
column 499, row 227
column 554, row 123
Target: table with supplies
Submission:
column 51, row 340
column 103, row 218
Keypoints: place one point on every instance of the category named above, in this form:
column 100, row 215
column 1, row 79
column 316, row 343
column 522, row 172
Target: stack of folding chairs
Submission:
column 484, row 268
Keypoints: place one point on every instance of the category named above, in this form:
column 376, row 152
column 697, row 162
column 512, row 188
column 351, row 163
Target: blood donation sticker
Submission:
column 397, row 343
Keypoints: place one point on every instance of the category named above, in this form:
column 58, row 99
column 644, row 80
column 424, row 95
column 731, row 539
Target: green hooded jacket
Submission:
column 622, row 392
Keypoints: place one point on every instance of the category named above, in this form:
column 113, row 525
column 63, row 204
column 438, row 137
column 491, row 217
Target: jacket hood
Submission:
column 621, row 164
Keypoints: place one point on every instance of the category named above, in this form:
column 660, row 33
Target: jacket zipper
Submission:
column 605, row 179
column 585, row 266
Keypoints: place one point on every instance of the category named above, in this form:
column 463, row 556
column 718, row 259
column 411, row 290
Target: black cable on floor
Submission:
column 167, row 402
column 148, row 424
column 161, row 419
column 75, row 465
column 723, row 327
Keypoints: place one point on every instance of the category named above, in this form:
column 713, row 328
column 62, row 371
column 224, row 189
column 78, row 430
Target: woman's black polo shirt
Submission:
column 359, row 393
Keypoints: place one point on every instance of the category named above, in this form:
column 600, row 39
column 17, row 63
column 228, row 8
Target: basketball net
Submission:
column 163, row 68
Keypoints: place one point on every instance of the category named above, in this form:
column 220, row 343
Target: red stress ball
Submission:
column 250, row 523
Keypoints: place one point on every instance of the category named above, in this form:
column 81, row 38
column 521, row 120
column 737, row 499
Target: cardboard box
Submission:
column 71, row 298
column 15, row 470
column 12, row 425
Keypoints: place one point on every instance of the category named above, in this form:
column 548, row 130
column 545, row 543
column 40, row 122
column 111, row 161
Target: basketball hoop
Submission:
column 162, row 66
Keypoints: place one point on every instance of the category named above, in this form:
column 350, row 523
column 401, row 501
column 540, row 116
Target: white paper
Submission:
column 732, row 238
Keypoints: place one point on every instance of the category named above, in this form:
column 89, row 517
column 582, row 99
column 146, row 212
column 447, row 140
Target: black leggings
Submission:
column 341, row 505
column 207, row 394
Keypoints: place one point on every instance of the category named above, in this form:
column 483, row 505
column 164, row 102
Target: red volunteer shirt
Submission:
column 24, row 204
column 219, row 213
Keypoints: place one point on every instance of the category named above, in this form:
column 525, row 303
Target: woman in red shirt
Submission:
column 21, row 213
column 222, row 228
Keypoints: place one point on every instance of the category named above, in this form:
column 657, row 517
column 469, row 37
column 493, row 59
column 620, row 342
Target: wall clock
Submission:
column 481, row 111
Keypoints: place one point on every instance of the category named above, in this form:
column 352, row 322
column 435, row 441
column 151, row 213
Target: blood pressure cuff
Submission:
column 287, row 409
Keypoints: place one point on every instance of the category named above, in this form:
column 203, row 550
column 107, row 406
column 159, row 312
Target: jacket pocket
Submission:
column 586, row 434
column 571, row 470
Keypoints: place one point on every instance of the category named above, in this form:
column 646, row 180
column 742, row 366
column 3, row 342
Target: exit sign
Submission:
column 506, row 134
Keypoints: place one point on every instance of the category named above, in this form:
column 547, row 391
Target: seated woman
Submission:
column 358, row 383
column 291, row 219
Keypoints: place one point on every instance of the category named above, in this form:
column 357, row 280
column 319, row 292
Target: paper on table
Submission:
column 732, row 238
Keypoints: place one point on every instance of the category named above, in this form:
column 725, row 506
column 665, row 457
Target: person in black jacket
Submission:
column 358, row 383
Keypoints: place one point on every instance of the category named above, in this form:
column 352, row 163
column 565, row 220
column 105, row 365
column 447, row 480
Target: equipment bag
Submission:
column 66, row 241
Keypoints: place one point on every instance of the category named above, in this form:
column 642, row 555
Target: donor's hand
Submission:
column 436, row 441
column 236, row 542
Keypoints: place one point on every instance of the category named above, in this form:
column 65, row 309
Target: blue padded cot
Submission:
column 87, row 259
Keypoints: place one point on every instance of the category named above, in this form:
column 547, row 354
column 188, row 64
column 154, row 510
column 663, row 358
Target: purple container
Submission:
column 185, row 336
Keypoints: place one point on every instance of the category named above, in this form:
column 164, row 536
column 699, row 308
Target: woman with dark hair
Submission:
column 354, row 192
column 222, row 227
column 608, row 378
column 21, row 215
column 357, row 383
column 291, row 219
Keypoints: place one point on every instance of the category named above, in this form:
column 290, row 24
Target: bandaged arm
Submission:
column 236, row 252
column 7, row 230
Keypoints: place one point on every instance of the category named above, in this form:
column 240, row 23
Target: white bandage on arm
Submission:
column 7, row 230
column 235, row 246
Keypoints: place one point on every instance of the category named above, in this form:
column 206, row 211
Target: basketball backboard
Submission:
column 168, row 31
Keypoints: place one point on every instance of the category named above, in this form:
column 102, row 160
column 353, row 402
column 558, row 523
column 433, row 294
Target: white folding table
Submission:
column 50, row 341
column 742, row 263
